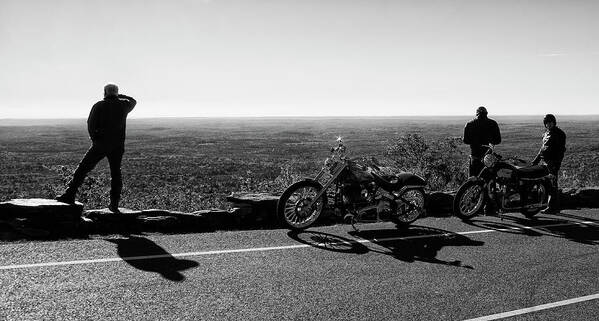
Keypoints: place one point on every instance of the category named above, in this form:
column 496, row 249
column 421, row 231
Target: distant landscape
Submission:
column 188, row 164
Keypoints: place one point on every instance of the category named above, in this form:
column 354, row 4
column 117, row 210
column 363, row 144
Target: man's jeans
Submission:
column 98, row 150
column 553, row 168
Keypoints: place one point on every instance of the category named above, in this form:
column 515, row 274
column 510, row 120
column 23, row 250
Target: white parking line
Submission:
column 536, row 308
column 149, row 257
column 273, row 248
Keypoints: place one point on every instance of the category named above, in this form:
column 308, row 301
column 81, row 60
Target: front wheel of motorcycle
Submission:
column 294, row 210
column 410, row 208
column 469, row 200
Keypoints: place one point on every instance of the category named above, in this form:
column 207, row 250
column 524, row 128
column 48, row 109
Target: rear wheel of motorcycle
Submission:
column 409, row 212
column 469, row 200
column 543, row 195
column 292, row 208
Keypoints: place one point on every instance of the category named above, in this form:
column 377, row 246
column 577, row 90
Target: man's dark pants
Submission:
column 98, row 150
column 553, row 168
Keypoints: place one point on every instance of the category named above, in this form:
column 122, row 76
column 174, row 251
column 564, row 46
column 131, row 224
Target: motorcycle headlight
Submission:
column 490, row 160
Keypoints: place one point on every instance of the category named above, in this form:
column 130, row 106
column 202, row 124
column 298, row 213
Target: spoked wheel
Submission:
column 469, row 200
column 540, row 191
column 293, row 208
column 408, row 212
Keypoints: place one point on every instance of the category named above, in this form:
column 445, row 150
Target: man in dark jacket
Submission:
column 552, row 153
column 479, row 132
column 106, row 127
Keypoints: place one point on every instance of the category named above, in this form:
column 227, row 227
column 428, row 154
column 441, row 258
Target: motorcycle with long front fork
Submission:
column 363, row 193
column 505, row 186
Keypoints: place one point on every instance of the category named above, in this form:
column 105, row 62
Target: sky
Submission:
column 184, row 58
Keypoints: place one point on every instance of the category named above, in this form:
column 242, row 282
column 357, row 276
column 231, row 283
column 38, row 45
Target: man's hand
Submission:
column 125, row 97
column 131, row 100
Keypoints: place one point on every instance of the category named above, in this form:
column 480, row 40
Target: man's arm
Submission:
column 466, row 137
column 541, row 152
column 496, row 134
column 132, row 102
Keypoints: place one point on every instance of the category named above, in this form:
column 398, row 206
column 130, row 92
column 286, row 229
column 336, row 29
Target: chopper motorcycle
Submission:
column 359, row 191
column 506, row 186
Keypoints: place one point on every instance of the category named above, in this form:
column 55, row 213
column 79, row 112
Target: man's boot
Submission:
column 67, row 197
column 553, row 202
column 114, row 206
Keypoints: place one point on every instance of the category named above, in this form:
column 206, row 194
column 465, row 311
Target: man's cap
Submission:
column 549, row 118
column 481, row 110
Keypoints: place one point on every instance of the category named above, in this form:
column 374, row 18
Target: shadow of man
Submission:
column 418, row 243
column 143, row 254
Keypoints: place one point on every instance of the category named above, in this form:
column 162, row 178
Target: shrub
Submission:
column 440, row 162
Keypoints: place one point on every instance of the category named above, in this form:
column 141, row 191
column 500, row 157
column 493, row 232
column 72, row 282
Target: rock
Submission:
column 155, row 212
column 41, row 210
column 105, row 221
column 567, row 199
column 35, row 233
column 106, row 211
column 29, row 227
column 253, row 198
column 105, row 214
column 217, row 219
column 186, row 220
column 41, row 218
column 158, row 222
column 87, row 226
column 588, row 197
column 8, row 235
column 255, row 207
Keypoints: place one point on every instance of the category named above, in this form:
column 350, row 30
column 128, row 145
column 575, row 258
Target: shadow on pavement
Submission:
column 576, row 217
column 143, row 254
column 560, row 226
column 506, row 225
column 418, row 243
column 415, row 243
column 328, row 242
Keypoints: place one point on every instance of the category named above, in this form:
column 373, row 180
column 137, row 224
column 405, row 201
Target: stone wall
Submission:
column 42, row 218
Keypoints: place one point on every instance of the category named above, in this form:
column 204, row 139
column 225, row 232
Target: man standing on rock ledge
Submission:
column 106, row 127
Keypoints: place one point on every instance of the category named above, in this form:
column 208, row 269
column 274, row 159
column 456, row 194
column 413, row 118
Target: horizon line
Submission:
column 303, row 116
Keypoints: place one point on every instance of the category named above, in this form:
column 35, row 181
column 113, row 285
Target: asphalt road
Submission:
column 438, row 269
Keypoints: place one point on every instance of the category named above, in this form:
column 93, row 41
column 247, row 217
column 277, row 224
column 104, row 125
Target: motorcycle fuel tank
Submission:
column 505, row 173
column 406, row 178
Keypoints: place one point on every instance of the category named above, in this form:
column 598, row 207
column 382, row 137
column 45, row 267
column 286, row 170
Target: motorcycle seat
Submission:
column 390, row 183
column 535, row 171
